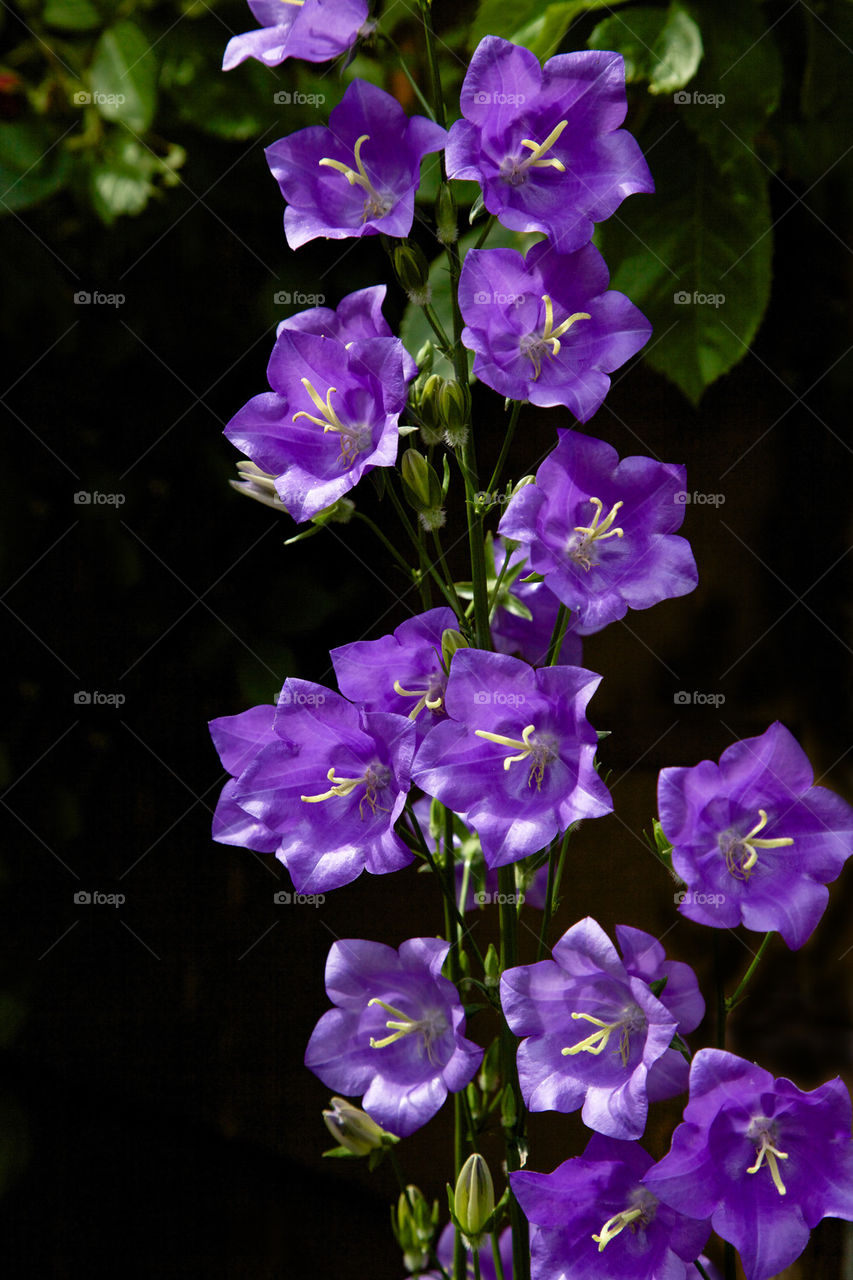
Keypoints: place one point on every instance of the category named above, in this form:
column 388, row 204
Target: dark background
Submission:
column 158, row 1118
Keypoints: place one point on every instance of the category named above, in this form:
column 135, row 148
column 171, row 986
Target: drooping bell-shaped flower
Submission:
column 396, row 1032
column 515, row 754
column 544, row 142
column 403, row 672
column 545, row 327
column 764, row 1160
column 753, row 839
column 602, row 532
column 595, row 1217
column 358, row 176
column 314, row 30
column 331, row 417
column 318, row 782
column 595, row 1033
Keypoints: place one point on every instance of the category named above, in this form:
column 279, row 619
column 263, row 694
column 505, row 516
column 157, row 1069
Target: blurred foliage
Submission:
column 102, row 99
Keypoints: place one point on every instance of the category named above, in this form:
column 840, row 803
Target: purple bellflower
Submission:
column 753, row 839
column 314, row 30
column 318, row 782
column 526, row 612
column 396, row 1033
column 596, row 1216
column 515, row 754
column 567, row 519
column 331, row 416
column 764, row 1160
column 358, row 315
column 402, row 673
column 595, row 1034
column 544, row 142
column 545, row 327
column 358, row 176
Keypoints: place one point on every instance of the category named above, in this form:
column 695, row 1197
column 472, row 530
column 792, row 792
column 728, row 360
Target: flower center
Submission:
column 633, row 1019
column 514, row 169
column 430, row 1027
column 432, row 697
column 581, row 549
column 375, row 205
column 355, row 439
column 539, row 346
column 641, row 1213
column 374, row 779
column 763, row 1133
column 539, row 751
column 741, row 852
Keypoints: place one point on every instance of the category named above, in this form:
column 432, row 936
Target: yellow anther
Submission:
column 614, row 1225
column 598, row 1041
column 550, row 337
column 771, row 1154
column 340, row 787
column 742, row 868
column 539, row 149
column 426, row 698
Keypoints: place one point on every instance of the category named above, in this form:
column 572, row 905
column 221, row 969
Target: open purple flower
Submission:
column 567, row 522
column 318, row 782
column 331, row 416
column 762, row 1159
column 357, row 177
column 515, row 754
column 396, row 1033
column 402, row 672
column 358, row 315
column 544, row 142
column 753, row 839
column 596, row 1217
column 314, row 30
column 545, row 327
column 526, row 612
column 596, row 1035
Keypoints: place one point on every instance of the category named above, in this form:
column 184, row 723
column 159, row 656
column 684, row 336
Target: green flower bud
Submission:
column 421, row 485
column 412, row 270
column 489, row 1077
column 474, row 1197
column 414, row 1224
column 492, row 966
column 450, row 642
column 257, row 484
column 339, row 512
column 425, row 357
column 454, row 406
column 354, row 1129
column 431, row 425
column 445, row 215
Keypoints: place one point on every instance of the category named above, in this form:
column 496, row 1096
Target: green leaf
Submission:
column 739, row 82
column 661, row 46
column 33, row 164
column 695, row 258
column 545, row 34
column 72, row 15
column 124, row 177
column 123, row 77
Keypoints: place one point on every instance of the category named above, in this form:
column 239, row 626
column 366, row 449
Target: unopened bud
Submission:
column 445, row 215
column 354, row 1129
column 492, row 965
column 414, row 1224
column 412, row 270
column 432, row 428
column 490, row 1072
column 474, row 1197
column 454, row 405
column 450, row 642
column 422, row 489
column 257, row 484
column 339, row 512
column 425, row 357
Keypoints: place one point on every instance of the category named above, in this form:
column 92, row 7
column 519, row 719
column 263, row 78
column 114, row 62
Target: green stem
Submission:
column 481, row 240
column 437, row 328
column 426, row 565
column 508, row 434
column 496, row 1255
column 514, row 1133
column 477, row 1274
column 558, row 635
column 734, row 999
column 698, row 1265
column 549, row 902
column 729, row 1261
column 386, row 542
column 458, row 606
